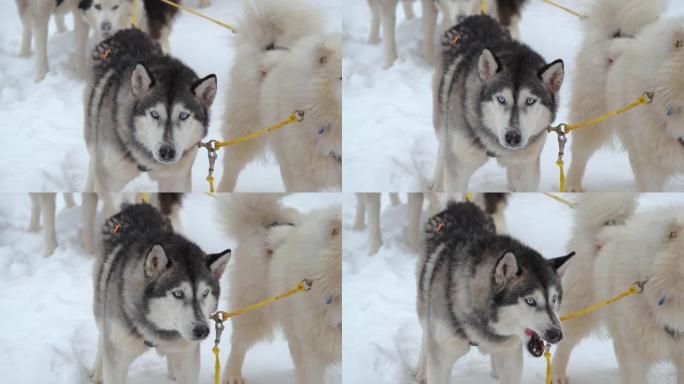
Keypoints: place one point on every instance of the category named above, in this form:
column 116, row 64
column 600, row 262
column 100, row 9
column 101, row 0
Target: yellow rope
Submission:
column 134, row 19
column 560, row 200
column 190, row 10
column 547, row 356
column 303, row 286
column 145, row 197
column 469, row 197
column 484, row 7
column 566, row 9
column 561, row 170
column 295, row 117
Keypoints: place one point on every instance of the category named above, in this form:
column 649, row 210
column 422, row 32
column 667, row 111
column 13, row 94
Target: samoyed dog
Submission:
column 278, row 247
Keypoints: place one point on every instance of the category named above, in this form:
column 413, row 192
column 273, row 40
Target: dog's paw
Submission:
column 575, row 188
column 374, row 40
column 235, row 379
column 374, row 247
column 40, row 74
column 419, row 376
column 560, row 378
column 95, row 377
column 389, row 60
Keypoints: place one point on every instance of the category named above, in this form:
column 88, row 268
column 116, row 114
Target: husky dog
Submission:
column 153, row 289
column 144, row 112
column 277, row 248
column 43, row 205
column 612, row 21
column 496, row 98
column 479, row 288
column 617, row 247
column 285, row 63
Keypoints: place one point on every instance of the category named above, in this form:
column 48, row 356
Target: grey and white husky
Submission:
column 477, row 288
column 144, row 112
column 493, row 97
column 153, row 289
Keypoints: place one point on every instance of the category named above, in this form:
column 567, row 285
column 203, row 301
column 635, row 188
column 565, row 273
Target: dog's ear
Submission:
column 506, row 269
column 141, row 80
column 217, row 262
column 674, row 230
column 156, row 261
column 560, row 264
column 323, row 54
column 552, row 75
column 205, row 90
column 489, row 65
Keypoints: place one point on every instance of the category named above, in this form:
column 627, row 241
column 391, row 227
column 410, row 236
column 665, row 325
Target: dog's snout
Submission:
column 167, row 152
column 553, row 335
column 513, row 137
column 106, row 26
column 200, row 331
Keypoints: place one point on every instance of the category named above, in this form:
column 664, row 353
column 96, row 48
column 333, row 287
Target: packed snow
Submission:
column 42, row 123
column 389, row 141
column 381, row 335
column 48, row 330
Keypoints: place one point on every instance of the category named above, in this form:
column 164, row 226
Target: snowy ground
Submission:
column 48, row 332
column 381, row 335
column 42, row 123
column 389, row 142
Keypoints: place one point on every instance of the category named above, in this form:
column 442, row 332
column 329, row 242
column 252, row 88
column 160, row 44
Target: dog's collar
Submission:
column 149, row 343
column 143, row 168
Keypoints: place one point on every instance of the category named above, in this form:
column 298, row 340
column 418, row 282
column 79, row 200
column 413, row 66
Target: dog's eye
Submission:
column 184, row 115
column 205, row 293
column 155, row 115
column 554, row 298
column 98, row 6
column 114, row 8
column 531, row 302
column 530, row 101
column 178, row 294
column 501, row 100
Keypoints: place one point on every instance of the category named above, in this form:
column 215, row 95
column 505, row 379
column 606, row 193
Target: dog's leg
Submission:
column 179, row 183
column 69, row 200
column 185, row 366
column 649, row 178
column 34, row 224
column 41, row 20
column 47, row 205
column 59, row 23
column 408, row 9
column 508, row 365
column 438, row 177
column 524, row 177
column 573, row 333
column 247, row 330
column 376, row 17
column 633, row 366
column 389, row 25
column 89, row 211
column 96, row 373
column 115, row 364
column 375, row 235
column 415, row 208
column 442, row 356
column 584, row 144
column 394, row 198
column 309, row 369
column 677, row 353
column 81, row 30
column 457, row 174
column 26, row 16
column 360, row 218
column 420, row 373
column 429, row 22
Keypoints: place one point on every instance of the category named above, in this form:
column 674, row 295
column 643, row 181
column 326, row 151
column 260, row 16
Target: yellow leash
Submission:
column 213, row 145
column 190, row 10
column 483, row 7
column 560, row 200
column 562, row 130
column 134, row 18
column 566, row 9
column 469, row 197
column 220, row 316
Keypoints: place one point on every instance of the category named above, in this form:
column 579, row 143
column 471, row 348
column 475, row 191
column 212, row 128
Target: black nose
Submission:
column 200, row 331
column 513, row 138
column 106, row 26
column 553, row 335
column 167, row 152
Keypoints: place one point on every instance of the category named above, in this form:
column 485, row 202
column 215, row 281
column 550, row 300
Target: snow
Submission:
column 381, row 336
column 388, row 112
column 42, row 123
column 48, row 331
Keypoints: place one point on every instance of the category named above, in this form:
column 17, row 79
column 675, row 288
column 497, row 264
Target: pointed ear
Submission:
column 552, row 75
column 560, row 264
column 141, row 80
column 205, row 90
column 217, row 262
column 674, row 230
column 506, row 269
column 489, row 65
column 323, row 54
column 156, row 261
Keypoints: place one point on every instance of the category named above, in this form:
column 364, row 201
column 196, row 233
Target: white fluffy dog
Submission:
column 277, row 248
column 286, row 62
column 615, row 248
column 609, row 20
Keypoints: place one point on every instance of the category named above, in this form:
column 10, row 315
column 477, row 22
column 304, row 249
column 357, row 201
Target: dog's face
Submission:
column 326, row 91
column 170, row 117
column 529, row 294
column 183, row 292
column 106, row 17
column 517, row 103
column 455, row 11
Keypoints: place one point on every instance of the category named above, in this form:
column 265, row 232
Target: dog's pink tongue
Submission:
column 529, row 332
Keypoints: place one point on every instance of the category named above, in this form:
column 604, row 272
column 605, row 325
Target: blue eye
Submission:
column 501, row 100
column 184, row 115
column 530, row 101
column 531, row 302
column 155, row 115
column 178, row 294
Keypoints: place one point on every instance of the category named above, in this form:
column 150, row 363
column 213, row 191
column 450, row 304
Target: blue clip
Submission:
column 670, row 111
column 329, row 300
column 662, row 301
column 321, row 131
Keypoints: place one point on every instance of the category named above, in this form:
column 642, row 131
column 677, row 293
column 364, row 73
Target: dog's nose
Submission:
column 553, row 335
column 106, row 26
column 200, row 331
column 167, row 152
column 513, row 138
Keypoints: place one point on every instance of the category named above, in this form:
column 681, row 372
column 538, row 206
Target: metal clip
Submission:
column 307, row 284
column 299, row 115
column 562, row 139
column 211, row 153
column 640, row 285
column 649, row 96
column 218, row 318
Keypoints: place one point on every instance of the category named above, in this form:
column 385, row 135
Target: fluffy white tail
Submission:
column 607, row 18
column 246, row 216
column 596, row 210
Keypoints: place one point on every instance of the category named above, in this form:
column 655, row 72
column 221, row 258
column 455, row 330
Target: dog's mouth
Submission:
column 535, row 344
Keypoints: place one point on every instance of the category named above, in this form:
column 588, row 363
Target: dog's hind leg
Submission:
column 375, row 235
column 389, row 25
column 41, row 20
column 34, row 224
column 376, row 17
column 442, row 356
column 429, row 22
column 507, row 365
column 408, row 9
column 26, row 16
column 360, row 218
column 48, row 208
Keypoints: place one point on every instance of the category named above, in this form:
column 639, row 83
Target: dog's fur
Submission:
column 277, row 248
column 286, row 62
column 43, row 205
column 153, row 288
column 609, row 20
column 615, row 248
